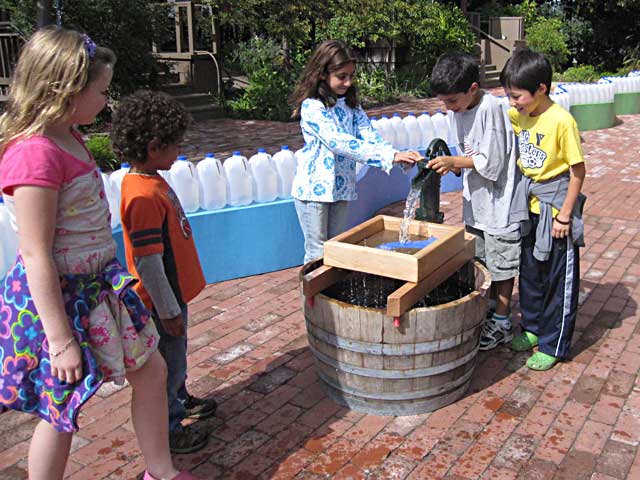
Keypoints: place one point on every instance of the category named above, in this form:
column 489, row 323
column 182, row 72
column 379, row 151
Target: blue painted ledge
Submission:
column 263, row 237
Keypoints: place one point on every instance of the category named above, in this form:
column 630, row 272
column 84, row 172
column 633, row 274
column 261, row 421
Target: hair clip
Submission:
column 90, row 45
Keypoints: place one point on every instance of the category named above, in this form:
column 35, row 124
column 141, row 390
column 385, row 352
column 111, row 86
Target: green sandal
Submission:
column 541, row 361
column 523, row 342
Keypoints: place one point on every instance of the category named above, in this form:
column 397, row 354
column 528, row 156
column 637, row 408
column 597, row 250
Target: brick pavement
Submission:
column 248, row 347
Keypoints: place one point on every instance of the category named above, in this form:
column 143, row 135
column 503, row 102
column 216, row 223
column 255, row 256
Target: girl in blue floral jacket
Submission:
column 337, row 134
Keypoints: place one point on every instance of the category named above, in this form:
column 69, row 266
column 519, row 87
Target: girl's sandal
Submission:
column 540, row 361
column 523, row 342
column 180, row 476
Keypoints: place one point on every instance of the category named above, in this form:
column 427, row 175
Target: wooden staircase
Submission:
column 201, row 106
column 489, row 76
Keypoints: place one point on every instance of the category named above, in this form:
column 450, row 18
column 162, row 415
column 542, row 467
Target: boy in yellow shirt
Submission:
column 548, row 203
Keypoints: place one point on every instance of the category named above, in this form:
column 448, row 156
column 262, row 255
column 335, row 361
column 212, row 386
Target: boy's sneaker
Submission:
column 199, row 407
column 494, row 333
column 188, row 438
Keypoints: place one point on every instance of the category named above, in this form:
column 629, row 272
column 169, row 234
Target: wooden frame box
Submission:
column 345, row 250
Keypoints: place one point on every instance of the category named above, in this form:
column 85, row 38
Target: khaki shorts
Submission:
column 500, row 253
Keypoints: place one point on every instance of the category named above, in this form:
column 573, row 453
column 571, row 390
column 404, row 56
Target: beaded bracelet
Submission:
column 561, row 222
column 64, row 348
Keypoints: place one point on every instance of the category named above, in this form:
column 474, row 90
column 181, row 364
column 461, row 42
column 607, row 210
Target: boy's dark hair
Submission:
column 454, row 72
column 527, row 69
column 145, row 116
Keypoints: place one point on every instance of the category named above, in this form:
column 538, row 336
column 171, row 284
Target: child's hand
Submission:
column 409, row 158
column 173, row 326
column 67, row 365
column 442, row 165
column 559, row 229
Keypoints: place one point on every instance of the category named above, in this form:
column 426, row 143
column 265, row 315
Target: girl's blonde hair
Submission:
column 54, row 66
column 330, row 56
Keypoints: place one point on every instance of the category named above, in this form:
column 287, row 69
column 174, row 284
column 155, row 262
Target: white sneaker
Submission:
column 494, row 333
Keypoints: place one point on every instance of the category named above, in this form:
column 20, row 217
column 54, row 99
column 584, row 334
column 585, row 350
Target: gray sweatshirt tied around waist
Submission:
column 550, row 193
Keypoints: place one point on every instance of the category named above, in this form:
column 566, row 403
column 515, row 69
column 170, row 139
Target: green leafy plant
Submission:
column 270, row 81
column 102, row 151
column 581, row 73
column 546, row 36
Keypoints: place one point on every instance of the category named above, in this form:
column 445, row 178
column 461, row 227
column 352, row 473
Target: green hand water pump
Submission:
column 428, row 182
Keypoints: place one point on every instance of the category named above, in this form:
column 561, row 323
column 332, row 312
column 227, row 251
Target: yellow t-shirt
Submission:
column 549, row 145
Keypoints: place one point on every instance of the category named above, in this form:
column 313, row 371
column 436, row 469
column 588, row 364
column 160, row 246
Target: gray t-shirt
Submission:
column 485, row 134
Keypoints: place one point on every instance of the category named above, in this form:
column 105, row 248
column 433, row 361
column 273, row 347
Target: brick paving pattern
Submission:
column 248, row 347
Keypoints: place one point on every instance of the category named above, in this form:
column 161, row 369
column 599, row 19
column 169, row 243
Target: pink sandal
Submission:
column 181, row 476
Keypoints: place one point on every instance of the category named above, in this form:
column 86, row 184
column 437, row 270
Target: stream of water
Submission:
column 409, row 214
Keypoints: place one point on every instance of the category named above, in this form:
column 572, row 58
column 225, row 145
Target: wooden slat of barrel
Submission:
column 369, row 365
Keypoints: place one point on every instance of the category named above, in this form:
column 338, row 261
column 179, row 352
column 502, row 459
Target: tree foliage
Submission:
column 127, row 27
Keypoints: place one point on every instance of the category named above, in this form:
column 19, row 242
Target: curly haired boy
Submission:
column 147, row 130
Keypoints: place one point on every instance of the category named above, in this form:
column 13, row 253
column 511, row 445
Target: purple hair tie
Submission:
column 90, row 45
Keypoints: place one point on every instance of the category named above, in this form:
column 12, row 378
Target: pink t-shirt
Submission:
column 39, row 161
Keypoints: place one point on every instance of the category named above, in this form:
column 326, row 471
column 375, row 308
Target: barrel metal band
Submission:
column 389, row 348
column 413, row 395
column 375, row 373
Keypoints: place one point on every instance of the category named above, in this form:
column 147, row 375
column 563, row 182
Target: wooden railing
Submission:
column 10, row 43
column 186, row 53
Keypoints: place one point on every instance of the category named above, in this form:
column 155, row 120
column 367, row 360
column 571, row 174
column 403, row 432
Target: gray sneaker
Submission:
column 493, row 334
column 188, row 438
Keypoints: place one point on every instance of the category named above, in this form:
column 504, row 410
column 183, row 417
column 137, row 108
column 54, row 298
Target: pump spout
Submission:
column 427, row 181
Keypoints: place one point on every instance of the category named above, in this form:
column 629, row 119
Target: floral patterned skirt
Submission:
column 110, row 323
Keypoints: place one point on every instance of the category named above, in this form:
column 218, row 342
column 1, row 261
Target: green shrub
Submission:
column 102, row 151
column 582, row 73
column 270, row 82
column 546, row 36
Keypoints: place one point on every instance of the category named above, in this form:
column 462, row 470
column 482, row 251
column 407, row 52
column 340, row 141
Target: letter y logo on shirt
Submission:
column 539, row 137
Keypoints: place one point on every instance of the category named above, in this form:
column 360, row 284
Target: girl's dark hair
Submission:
column 145, row 116
column 527, row 69
column 330, row 56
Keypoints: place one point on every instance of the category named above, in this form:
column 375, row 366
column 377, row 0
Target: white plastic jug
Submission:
column 239, row 181
column 387, row 131
column 212, row 183
column 265, row 177
column 184, row 177
column 8, row 240
column 401, row 134
column 114, row 195
column 410, row 123
column 441, row 125
column 115, row 179
column 112, row 200
column 285, row 163
column 426, row 128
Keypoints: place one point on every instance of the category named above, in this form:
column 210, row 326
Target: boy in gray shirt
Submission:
column 489, row 174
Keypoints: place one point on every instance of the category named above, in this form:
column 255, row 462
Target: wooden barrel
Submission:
column 367, row 364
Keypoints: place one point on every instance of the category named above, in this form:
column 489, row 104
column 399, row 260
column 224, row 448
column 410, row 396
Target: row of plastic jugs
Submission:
column 411, row 132
column 212, row 185
column 8, row 240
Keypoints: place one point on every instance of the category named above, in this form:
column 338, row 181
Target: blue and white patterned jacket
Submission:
column 335, row 139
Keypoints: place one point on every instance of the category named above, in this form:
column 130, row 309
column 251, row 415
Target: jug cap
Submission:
column 374, row 118
column 182, row 158
column 209, row 155
column 411, row 114
column 425, row 113
column 384, row 115
column 284, row 147
column 125, row 165
column 396, row 114
column 261, row 150
column 237, row 152
column 1, row 201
